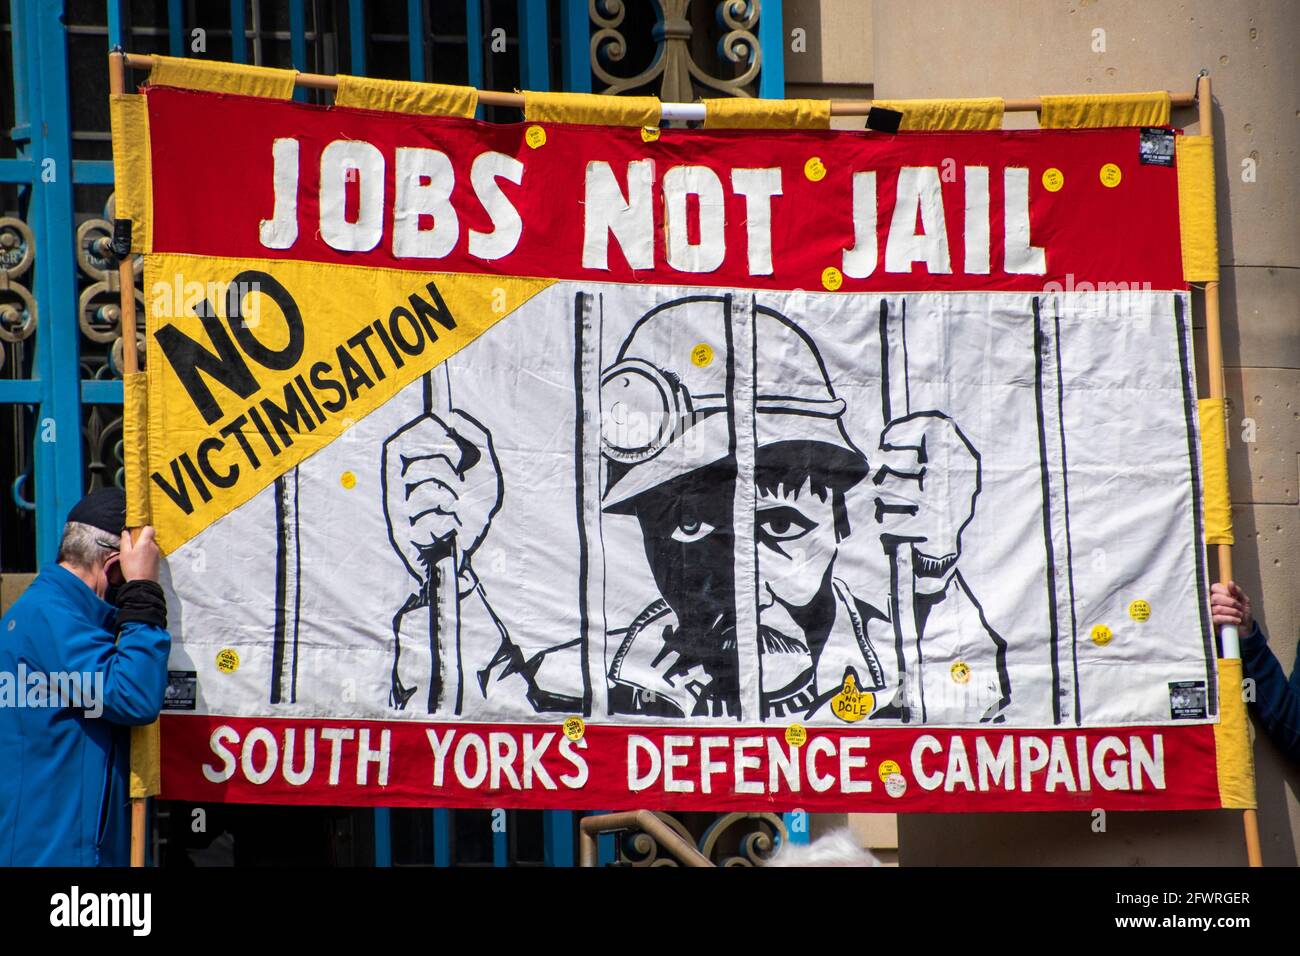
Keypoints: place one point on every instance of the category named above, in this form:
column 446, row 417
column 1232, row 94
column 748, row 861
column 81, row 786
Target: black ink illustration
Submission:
column 288, row 597
column 960, row 674
column 671, row 447
column 442, row 486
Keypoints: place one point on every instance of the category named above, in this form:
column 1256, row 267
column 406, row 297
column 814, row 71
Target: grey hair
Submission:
column 837, row 848
column 83, row 545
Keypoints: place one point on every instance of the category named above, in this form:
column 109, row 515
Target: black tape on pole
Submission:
column 121, row 238
column 882, row 120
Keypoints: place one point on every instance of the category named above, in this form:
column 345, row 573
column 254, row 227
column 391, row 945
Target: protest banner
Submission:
column 566, row 465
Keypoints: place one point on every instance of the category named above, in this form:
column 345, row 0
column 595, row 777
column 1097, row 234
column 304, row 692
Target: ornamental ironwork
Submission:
column 675, row 72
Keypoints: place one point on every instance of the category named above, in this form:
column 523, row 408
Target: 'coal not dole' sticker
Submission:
column 851, row 704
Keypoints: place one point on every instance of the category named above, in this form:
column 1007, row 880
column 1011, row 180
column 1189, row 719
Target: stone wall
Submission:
column 901, row 49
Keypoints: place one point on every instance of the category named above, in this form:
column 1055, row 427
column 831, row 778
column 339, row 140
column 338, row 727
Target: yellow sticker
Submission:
column 888, row 767
column 851, row 704
column 348, row 480
column 1139, row 610
column 1110, row 175
column 574, row 728
column 832, row 278
column 815, row 169
column 795, row 735
column 227, row 660
column 650, row 134
column 1101, row 635
column 702, row 355
column 961, row 672
column 536, row 136
column 1053, row 179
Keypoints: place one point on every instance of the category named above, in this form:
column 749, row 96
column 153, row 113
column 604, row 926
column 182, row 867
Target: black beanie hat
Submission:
column 103, row 508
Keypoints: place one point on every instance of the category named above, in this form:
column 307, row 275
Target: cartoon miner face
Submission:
column 669, row 448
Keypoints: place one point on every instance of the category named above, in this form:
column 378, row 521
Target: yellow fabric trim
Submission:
column 401, row 96
column 982, row 114
column 217, row 77
column 341, row 300
column 129, row 122
column 146, row 765
column 1197, row 217
column 1233, row 757
column 1104, row 109
column 1214, row 471
column 591, row 108
column 135, row 448
column 734, row 112
column 146, row 242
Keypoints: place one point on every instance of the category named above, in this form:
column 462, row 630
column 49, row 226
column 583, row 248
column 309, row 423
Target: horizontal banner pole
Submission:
column 671, row 111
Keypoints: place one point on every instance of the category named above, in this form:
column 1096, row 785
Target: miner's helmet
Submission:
column 667, row 410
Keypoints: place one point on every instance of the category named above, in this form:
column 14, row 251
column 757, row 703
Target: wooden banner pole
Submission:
column 321, row 81
column 125, row 270
column 130, row 365
column 1214, row 361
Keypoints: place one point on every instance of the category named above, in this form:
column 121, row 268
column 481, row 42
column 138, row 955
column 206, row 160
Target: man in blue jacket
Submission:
column 76, row 672
column 1277, row 699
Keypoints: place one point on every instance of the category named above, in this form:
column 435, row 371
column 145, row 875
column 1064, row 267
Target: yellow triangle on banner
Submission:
column 254, row 365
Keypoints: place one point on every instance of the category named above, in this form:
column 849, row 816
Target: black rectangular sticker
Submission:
column 182, row 690
column 1187, row 700
column 1156, row 146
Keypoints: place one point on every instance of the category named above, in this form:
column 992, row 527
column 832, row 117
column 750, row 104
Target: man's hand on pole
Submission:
column 138, row 558
column 1230, row 605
